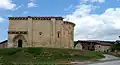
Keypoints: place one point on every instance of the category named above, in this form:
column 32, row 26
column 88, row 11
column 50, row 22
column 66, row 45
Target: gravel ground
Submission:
column 108, row 60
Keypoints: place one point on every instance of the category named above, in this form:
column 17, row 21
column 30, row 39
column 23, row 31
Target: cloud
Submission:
column 118, row 0
column 2, row 19
column 32, row 0
column 7, row 4
column 32, row 4
column 100, row 1
column 9, row 15
column 17, row 7
column 68, row 8
column 25, row 12
column 105, row 26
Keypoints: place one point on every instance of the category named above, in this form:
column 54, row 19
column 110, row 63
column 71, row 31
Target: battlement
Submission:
column 17, row 32
column 35, row 18
column 66, row 22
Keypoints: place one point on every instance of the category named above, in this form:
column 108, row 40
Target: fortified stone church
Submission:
column 40, row 32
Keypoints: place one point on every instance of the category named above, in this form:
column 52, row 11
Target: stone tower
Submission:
column 40, row 32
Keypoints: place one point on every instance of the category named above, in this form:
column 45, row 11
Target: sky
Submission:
column 94, row 19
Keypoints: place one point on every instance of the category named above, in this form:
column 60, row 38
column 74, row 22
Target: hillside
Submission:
column 45, row 55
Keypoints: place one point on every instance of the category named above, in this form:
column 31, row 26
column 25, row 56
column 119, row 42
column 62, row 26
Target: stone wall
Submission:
column 3, row 44
column 93, row 45
column 41, row 32
column 102, row 48
column 79, row 46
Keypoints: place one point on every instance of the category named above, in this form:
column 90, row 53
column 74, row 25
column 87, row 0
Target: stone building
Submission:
column 87, row 45
column 3, row 44
column 103, row 47
column 94, row 45
column 40, row 32
column 79, row 46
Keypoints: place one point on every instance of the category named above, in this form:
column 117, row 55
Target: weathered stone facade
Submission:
column 40, row 32
column 94, row 45
column 103, row 47
column 79, row 46
column 87, row 45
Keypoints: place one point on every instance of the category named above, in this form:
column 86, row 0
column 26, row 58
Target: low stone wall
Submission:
column 4, row 44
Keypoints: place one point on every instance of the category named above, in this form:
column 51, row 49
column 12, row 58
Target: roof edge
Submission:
column 3, row 41
column 69, row 23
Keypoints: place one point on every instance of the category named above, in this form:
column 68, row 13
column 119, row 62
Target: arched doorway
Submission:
column 20, row 43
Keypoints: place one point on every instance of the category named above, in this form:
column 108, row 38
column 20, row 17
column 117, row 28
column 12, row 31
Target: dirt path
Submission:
column 107, row 61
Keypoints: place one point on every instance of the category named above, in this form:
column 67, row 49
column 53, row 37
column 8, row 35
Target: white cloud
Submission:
column 105, row 26
column 2, row 19
column 9, row 15
column 100, row 1
column 32, row 0
column 17, row 7
column 7, row 4
column 25, row 12
column 118, row 0
column 32, row 4
column 68, row 8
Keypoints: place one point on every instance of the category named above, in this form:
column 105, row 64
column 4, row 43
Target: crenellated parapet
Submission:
column 18, row 18
column 35, row 18
column 17, row 32
column 66, row 22
column 47, row 18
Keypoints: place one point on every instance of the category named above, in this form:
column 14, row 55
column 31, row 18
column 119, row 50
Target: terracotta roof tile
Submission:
column 3, row 42
column 97, row 42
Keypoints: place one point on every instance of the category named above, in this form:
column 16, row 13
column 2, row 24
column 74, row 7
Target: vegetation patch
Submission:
column 45, row 55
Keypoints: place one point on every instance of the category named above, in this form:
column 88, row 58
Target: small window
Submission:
column 58, row 34
column 83, row 47
column 72, row 35
column 88, row 43
column 99, row 46
column 40, row 33
column 88, row 48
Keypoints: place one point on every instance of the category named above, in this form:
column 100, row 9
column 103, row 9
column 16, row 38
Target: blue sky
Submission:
column 43, row 7
column 77, row 11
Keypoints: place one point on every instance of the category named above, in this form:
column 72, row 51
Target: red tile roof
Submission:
column 3, row 42
column 104, row 44
column 69, row 23
column 97, row 42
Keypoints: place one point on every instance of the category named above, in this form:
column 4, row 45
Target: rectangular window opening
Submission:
column 59, row 34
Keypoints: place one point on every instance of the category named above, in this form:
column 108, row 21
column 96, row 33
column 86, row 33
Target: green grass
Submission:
column 45, row 55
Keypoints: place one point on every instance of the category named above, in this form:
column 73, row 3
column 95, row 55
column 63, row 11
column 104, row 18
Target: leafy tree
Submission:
column 116, row 45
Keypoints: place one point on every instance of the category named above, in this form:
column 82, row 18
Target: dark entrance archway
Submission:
column 20, row 43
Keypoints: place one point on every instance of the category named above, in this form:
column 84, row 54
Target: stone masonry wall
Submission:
column 41, row 32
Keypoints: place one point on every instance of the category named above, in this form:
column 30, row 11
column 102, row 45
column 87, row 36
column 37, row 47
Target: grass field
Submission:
column 45, row 55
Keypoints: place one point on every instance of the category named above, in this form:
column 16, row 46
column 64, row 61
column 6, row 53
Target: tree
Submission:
column 116, row 45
